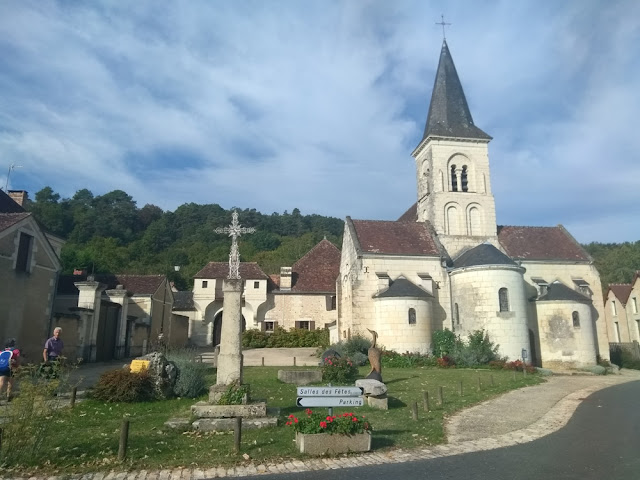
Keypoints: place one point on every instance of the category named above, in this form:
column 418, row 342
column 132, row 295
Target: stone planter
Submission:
column 321, row 443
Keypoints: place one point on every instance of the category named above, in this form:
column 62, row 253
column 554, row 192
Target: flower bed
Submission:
column 345, row 423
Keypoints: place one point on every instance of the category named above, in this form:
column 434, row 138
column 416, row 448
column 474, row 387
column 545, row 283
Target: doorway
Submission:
column 217, row 328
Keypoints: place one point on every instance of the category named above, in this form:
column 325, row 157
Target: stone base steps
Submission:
column 226, row 424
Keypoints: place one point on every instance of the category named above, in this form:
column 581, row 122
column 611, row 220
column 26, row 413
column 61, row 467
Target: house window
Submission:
column 412, row 316
column 269, row 326
column 614, row 310
column 24, row 253
column 634, row 304
column 503, row 297
column 256, row 284
column 456, row 314
column 303, row 325
column 205, row 283
column 331, row 304
column 617, row 329
column 463, row 180
column 576, row 319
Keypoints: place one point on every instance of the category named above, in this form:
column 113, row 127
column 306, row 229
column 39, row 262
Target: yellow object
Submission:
column 138, row 365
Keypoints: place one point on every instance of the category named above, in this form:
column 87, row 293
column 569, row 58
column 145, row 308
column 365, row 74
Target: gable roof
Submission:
column 248, row 270
column 394, row 238
column 541, row 243
column 621, row 291
column 449, row 114
column 483, row 254
column 10, row 219
column 411, row 215
column 559, row 291
column 136, row 284
column 183, row 300
column 401, row 287
column 317, row 270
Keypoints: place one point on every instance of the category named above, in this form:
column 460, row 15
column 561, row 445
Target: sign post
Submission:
column 330, row 396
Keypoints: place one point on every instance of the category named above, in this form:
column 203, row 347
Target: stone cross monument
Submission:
column 230, row 357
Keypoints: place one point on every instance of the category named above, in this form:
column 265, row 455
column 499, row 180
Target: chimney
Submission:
column 18, row 196
column 285, row 278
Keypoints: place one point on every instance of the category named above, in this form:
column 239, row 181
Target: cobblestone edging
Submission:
column 553, row 420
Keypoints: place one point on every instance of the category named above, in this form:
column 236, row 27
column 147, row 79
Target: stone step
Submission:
column 225, row 424
column 201, row 410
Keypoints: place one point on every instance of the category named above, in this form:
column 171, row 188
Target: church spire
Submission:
column 449, row 114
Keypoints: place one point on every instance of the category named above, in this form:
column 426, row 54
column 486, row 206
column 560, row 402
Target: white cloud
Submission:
column 317, row 105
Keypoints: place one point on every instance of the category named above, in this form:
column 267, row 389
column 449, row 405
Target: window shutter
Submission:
column 312, row 325
column 297, row 324
column 275, row 325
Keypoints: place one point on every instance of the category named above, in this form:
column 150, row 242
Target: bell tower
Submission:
column 452, row 165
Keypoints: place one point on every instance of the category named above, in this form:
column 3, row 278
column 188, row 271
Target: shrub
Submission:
column 345, row 423
column 121, row 385
column 190, row 382
column 444, row 342
column 254, row 338
column 595, row 369
column 446, row 361
column 478, row 350
column 338, row 370
column 356, row 348
column 297, row 337
column 391, row 359
column 29, row 418
column 235, row 394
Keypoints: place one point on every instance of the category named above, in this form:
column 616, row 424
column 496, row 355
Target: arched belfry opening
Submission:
column 454, row 179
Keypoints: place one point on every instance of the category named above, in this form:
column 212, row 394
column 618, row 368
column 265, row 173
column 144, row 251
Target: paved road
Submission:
column 601, row 441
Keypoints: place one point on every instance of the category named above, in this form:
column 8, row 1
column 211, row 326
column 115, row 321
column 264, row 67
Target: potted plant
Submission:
column 317, row 434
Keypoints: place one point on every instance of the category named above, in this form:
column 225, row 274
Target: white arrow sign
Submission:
column 330, row 401
column 330, row 391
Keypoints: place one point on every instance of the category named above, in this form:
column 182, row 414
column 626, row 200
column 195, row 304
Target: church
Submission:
column 445, row 263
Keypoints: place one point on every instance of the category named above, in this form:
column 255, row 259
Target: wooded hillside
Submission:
column 109, row 233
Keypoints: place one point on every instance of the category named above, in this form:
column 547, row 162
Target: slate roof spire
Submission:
column 449, row 114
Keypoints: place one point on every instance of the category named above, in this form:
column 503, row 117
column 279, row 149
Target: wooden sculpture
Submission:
column 374, row 359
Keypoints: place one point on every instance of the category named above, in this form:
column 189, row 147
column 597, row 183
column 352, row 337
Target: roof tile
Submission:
column 540, row 243
column 317, row 270
column 395, row 238
column 248, row 270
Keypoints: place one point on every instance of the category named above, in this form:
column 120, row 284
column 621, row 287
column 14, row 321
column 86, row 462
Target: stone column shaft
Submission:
column 230, row 358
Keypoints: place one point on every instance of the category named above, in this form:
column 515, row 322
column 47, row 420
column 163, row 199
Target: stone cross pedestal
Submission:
column 230, row 358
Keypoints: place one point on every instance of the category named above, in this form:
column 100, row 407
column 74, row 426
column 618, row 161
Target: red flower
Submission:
column 323, row 424
column 329, row 419
column 354, row 419
column 295, row 420
column 288, row 423
column 308, row 412
column 291, row 416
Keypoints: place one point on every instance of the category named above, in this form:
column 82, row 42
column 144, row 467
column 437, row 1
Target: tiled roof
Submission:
column 248, row 270
column 394, row 238
column 136, row 284
column 401, row 287
column 8, row 205
column 411, row 215
column 183, row 300
column 621, row 291
column 449, row 114
column 317, row 270
column 9, row 219
column 484, row 254
column 541, row 243
column 559, row 291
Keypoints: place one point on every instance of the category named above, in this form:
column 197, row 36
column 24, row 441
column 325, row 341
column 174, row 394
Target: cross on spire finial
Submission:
column 443, row 23
column 234, row 231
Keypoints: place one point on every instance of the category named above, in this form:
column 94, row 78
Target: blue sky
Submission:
column 317, row 105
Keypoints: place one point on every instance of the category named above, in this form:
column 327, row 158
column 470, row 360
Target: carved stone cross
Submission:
column 234, row 231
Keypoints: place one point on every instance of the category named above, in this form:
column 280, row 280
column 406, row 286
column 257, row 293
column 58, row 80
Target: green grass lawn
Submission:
column 86, row 438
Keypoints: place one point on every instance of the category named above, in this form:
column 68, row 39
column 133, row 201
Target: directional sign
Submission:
column 330, row 401
column 330, row 391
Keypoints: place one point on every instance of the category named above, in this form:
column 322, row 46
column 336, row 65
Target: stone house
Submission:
column 302, row 296
column 29, row 267
column 105, row 317
column 621, row 311
column 446, row 263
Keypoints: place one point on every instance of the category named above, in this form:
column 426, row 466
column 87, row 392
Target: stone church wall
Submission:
column 288, row 308
column 566, row 272
column 475, row 291
column 561, row 343
column 393, row 327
